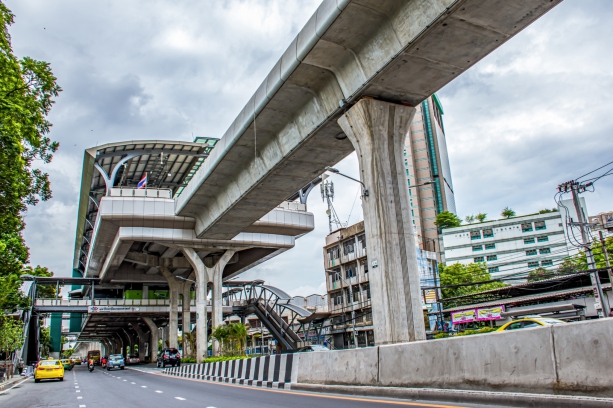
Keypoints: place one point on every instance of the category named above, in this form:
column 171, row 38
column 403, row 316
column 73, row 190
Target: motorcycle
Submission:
column 90, row 366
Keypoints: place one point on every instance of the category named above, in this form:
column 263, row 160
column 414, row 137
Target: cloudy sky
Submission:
column 532, row 114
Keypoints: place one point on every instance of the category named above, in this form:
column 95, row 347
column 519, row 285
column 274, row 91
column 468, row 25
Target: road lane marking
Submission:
column 159, row 392
column 127, row 380
column 76, row 386
column 78, row 391
column 180, row 398
column 82, row 406
column 79, row 397
column 132, row 383
column 143, row 386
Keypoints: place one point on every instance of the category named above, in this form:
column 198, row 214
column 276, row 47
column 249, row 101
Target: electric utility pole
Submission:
column 575, row 188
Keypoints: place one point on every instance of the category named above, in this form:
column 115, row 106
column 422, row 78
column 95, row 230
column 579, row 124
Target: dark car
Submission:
column 169, row 356
column 312, row 347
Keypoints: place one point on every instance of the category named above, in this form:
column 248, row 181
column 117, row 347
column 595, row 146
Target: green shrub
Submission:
column 188, row 360
column 224, row 358
column 479, row 331
column 441, row 335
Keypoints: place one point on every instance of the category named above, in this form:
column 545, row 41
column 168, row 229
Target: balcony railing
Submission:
column 142, row 192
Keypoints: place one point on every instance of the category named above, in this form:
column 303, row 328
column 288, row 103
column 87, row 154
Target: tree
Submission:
column 460, row 274
column 42, row 291
column 539, row 274
column 11, row 336
column 27, row 89
column 231, row 337
column 45, row 341
column 469, row 219
column 447, row 219
column 481, row 217
column 547, row 210
column 508, row 213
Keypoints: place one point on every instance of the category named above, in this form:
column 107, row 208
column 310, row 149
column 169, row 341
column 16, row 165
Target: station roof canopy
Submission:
column 168, row 164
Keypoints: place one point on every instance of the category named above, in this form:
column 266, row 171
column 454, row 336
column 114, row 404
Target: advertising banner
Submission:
column 490, row 313
column 464, row 316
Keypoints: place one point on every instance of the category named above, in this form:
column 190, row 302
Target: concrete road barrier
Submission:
column 275, row 371
column 570, row 359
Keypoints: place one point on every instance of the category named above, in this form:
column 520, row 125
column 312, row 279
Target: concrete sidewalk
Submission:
column 510, row 399
column 11, row 382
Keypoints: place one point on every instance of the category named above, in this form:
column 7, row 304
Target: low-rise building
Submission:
column 346, row 267
column 514, row 246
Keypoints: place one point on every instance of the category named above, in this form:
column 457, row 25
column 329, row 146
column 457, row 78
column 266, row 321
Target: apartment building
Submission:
column 346, row 266
column 426, row 159
column 514, row 246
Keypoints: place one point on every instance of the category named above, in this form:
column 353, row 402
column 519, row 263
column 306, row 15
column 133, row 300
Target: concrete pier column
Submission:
column 173, row 316
column 142, row 340
column 153, row 339
column 377, row 131
column 119, row 344
column 187, row 319
column 131, row 341
column 205, row 275
column 216, row 301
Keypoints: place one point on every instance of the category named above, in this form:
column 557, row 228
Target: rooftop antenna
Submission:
column 327, row 194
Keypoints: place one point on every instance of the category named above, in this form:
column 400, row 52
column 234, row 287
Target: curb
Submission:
column 510, row 399
column 10, row 384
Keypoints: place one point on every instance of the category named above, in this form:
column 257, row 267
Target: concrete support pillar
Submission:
column 142, row 340
column 204, row 275
column 118, row 344
column 173, row 317
column 377, row 131
column 131, row 340
column 153, row 339
column 187, row 319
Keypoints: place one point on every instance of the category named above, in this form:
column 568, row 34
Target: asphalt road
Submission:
column 146, row 388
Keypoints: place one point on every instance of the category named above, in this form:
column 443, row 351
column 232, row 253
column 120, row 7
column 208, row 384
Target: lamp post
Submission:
column 355, row 333
column 188, row 280
column 336, row 171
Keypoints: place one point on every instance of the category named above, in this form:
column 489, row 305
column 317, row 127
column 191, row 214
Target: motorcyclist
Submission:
column 90, row 365
column 103, row 362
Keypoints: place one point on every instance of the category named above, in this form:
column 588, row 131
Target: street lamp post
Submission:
column 336, row 171
column 355, row 333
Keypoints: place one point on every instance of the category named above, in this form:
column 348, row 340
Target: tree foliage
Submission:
column 481, row 217
column 232, row 337
column 11, row 335
column 447, row 219
column 507, row 213
column 27, row 89
column 469, row 219
column 460, row 274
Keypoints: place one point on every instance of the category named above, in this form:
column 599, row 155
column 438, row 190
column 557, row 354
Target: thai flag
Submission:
column 143, row 182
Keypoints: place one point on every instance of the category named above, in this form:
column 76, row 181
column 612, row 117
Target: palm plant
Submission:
column 508, row 213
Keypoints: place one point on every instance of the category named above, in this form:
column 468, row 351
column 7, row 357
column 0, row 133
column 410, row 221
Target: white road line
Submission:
column 143, row 386
column 78, row 391
column 127, row 380
column 79, row 397
column 82, row 406
column 180, row 399
column 76, row 386
column 159, row 392
column 132, row 383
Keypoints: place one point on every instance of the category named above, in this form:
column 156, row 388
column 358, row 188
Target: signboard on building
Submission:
column 464, row 316
column 490, row 313
column 112, row 309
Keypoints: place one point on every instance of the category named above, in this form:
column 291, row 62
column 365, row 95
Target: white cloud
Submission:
column 530, row 115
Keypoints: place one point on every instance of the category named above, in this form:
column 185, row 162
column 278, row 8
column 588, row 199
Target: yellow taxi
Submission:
column 528, row 322
column 48, row 370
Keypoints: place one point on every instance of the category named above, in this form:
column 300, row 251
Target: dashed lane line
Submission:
column 143, row 386
column 159, row 392
column 180, row 398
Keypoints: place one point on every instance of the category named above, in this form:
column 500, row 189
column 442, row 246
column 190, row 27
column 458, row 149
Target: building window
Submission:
column 494, row 269
column 350, row 272
column 531, row 252
column 533, row 264
column 492, row 257
column 543, row 239
column 410, row 193
column 488, row 233
column 336, row 276
column 477, row 248
column 333, row 253
column 407, row 172
column 540, row 225
column 545, row 250
column 349, row 247
column 529, row 241
column 490, row 246
column 527, row 227
column 337, row 298
column 475, row 235
column 548, row 262
column 405, row 153
column 479, row 259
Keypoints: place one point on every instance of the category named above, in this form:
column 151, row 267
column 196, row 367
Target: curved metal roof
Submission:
column 169, row 164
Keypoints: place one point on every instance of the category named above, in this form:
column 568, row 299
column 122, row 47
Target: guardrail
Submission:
column 142, row 192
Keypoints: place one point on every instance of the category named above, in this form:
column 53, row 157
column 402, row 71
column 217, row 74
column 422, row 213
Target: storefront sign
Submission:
column 464, row 316
column 490, row 313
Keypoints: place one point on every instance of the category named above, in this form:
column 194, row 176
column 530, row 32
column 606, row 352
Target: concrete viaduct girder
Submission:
column 400, row 51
